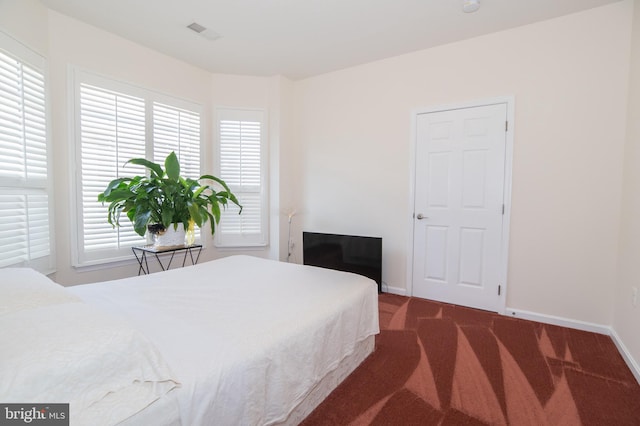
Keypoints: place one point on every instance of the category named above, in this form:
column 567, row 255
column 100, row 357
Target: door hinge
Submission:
column 499, row 289
column 503, row 209
column 506, row 126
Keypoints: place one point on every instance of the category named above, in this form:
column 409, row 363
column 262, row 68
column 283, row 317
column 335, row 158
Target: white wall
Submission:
column 282, row 165
column 626, row 321
column 569, row 78
column 26, row 21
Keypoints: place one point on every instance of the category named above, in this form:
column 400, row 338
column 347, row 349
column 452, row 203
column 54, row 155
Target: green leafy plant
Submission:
column 163, row 197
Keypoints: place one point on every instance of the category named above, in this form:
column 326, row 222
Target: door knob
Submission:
column 420, row 216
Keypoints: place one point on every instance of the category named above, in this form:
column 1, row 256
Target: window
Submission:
column 25, row 212
column 177, row 130
column 242, row 165
column 115, row 123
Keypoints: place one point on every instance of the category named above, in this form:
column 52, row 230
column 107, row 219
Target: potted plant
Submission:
column 163, row 200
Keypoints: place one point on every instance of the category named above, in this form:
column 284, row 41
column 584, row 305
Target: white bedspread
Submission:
column 56, row 348
column 248, row 338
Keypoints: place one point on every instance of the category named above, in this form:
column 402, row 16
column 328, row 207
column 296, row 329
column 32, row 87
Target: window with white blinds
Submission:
column 241, row 163
column 112, row 131
column 178, row 130
column 115, row 123
column 25, row 235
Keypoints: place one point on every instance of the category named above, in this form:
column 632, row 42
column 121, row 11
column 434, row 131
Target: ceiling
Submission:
column 302, row 38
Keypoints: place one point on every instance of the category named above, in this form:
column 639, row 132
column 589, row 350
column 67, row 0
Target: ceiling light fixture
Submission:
column 203, row 31
column 470, row 6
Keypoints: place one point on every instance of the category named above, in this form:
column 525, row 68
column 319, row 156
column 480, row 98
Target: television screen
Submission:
column 350, row 253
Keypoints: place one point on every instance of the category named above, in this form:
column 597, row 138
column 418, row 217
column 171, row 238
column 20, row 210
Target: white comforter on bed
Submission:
column 248, row 338
column 57, row 349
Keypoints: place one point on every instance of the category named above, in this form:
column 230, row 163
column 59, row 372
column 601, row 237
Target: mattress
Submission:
column 249, row 339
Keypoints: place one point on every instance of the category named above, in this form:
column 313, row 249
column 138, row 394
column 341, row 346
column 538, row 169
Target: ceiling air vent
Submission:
column 203, row 31
column 196, row 27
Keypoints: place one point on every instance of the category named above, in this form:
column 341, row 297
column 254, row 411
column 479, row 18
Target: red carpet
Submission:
column 440, row 364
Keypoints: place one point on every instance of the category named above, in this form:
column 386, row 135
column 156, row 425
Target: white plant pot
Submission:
column 170, row 237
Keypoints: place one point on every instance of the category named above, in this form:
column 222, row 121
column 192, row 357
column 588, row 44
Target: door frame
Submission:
column 508, row 169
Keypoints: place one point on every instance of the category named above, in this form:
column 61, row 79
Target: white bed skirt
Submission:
column 167, row 412
column 330, row 382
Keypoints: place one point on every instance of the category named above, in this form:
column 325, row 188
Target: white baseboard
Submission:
column 633, row 365
column 563, row 322
column 393, row 290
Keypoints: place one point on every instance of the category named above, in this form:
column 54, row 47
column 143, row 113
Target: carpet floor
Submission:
column 441, row 364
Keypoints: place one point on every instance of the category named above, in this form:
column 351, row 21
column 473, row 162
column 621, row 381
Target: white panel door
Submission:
column 459, row 196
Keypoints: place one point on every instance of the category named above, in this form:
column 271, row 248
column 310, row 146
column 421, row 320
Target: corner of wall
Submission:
column 626, row 311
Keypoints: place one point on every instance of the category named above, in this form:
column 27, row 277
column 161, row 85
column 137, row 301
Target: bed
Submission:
column 238, row 340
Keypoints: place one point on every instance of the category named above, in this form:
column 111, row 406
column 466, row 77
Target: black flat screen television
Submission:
column 350, row 253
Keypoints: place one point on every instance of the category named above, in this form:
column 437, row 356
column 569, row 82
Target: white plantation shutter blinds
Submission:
column 116, row 122
column 24, row 199
column 24, row 228
column 242, row 167
column 178, row 130
column 112, row 131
